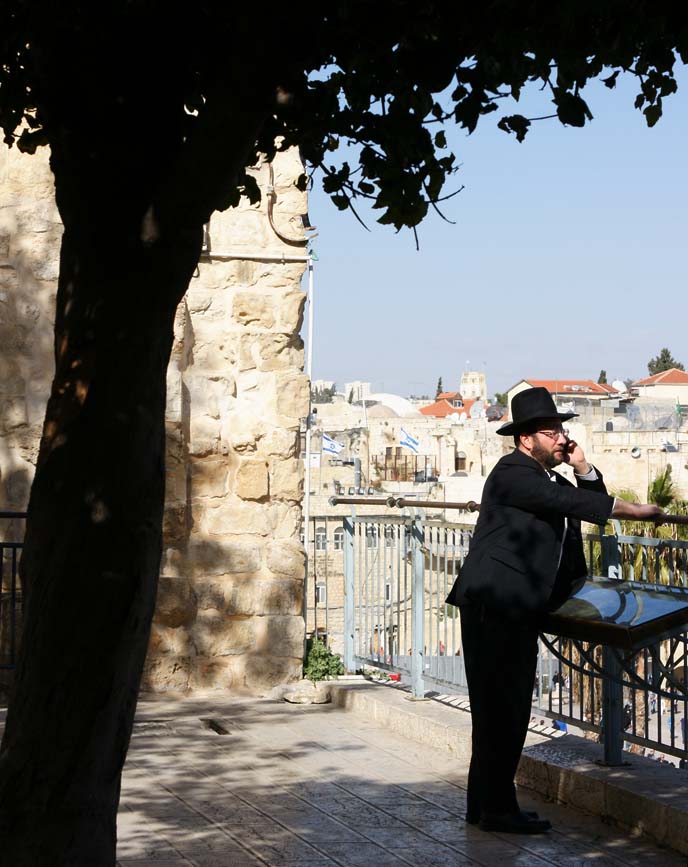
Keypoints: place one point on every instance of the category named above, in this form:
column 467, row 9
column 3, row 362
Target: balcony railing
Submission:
column 11, row 544
column 390, row 614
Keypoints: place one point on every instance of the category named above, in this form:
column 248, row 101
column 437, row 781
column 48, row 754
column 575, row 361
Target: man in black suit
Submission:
column 526, row 557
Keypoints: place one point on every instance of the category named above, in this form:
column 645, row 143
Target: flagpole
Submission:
column 309, row 418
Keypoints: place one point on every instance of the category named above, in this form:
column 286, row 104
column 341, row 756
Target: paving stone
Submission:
column 362, row 855
column 219, row 859
column 289, row 851
column 128, row 862
column 318, row 787
column 434, row 855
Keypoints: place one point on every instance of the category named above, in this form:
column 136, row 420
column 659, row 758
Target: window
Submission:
column 460, row 462
column 339, row 539
column 321, row 594
column 371, row 537
column 389, row 536
column 320, row 539
column 388, row 592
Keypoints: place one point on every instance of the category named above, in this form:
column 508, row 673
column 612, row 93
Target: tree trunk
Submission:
column 93, row 541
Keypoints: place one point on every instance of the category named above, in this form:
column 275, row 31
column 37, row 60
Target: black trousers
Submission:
column 500, row 656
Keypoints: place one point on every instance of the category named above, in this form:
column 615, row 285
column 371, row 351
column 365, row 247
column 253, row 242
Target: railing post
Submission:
column 611, row 559
column 612, row 708
column 612, row 690
column 349, row 602
column 417, row 610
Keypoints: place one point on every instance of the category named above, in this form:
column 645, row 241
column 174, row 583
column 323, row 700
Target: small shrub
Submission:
column 321, row 663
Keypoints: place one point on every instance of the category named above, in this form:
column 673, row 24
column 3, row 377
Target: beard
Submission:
column 544, row 457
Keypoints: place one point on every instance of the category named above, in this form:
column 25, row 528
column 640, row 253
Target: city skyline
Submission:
column 566, row 258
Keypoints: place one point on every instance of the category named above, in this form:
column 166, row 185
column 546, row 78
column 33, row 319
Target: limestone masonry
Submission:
column 229, row 611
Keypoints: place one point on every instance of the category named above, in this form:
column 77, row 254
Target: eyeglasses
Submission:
column 555, row 434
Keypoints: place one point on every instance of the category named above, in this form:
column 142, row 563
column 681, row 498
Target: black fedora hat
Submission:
column 529, row 406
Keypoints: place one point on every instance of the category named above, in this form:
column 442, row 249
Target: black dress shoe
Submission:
column 513, row 823
column 474, row 818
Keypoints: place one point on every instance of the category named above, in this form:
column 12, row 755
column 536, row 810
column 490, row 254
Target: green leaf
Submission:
column 515, row 123
column 611, row 81
column 342, row 202
column 572, row 109
column 653, row 113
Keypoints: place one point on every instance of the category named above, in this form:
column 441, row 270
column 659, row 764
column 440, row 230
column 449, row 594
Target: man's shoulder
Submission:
column 517, row 460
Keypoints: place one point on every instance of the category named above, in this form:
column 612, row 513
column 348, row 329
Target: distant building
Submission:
column 668, row 385
column 448, row 403
column 322, row 384
column 358, row 390
column 473, row 385
column 567, row 391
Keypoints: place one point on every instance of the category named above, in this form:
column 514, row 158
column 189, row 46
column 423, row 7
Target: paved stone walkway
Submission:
column 250, row 782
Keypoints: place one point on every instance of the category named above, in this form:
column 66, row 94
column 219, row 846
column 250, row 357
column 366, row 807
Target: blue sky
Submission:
column 568, row 256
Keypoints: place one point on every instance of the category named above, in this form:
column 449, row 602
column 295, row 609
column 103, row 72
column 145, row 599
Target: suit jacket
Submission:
column 515, row 562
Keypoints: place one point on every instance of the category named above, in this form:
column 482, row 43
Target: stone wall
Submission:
column 229, row 611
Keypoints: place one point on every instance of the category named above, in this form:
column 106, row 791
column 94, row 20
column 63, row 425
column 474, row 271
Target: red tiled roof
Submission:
column 673, row 376
column 571, row 386
column 442, row 408
column 448, row 395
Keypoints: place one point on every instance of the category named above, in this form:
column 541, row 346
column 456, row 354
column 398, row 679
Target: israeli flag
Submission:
column 330, row 445
column 407, row 440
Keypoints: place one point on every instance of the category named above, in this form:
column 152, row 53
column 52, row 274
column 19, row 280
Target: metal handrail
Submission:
column 395, row 618
column 403, row 502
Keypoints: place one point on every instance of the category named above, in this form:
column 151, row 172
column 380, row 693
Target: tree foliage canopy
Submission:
column 366, row 89
column 663, row 361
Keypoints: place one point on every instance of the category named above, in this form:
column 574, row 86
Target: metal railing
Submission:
column 12, row 524
column 397, row 571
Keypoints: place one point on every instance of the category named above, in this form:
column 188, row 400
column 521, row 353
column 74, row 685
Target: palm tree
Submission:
column 661, row 491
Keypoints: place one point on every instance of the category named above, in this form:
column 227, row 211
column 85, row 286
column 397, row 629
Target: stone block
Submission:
column 280, row 636
column 166, row 673
column 175, row 523
column 204, row 558
column 261, row 673
column 166, row 640
column 279, row 352
column 243, row 428
column 209, row 476
column 286, row 480
column 253, row 309
column 287, row 559
column 216, row 634
column 284, row 520
column 264, row 597
column 307, row 692
column 208, row 394
column 217, row 673
column 251, row 479
column 204, row 436
column 13, row 414
column 291, row 312
column 281, row 276
column 235, row 516
column 176, row 602
column 281, row 443
column 293, row 396
column 636, row 810
column 175, row 482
